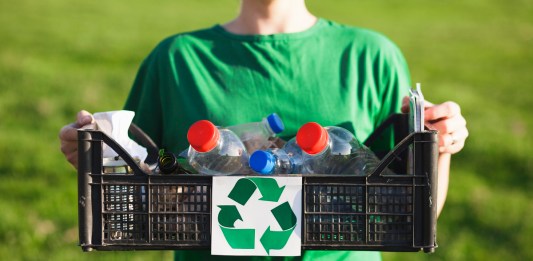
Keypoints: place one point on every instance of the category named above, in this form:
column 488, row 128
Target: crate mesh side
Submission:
column 325, row 229
column 123, row 217
column 334, row 214
column 390, row 219
column 180, row 214
column 358, row 215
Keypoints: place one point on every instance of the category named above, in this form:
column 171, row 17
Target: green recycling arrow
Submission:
column 284, row 215
column 287, row 221
column 268, row 188
column 242, row 191
column 228, row 215
column 245, row 238
column 237, row 238
column 245, row 187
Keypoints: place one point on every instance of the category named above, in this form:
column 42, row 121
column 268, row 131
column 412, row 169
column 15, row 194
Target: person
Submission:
column 276, row 56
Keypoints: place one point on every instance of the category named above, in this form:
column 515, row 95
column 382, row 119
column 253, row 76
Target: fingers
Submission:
column 68, row 132
column 69, row 145
column 440, row 111
column 84, row 118
column 447, row 125
column 453, row 142
column 68, row 135
column 70, row 150
column 446, row 118
column 405, row 104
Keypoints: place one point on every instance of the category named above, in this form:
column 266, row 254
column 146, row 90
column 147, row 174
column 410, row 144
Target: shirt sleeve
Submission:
column 394, row 83
column 395, row 80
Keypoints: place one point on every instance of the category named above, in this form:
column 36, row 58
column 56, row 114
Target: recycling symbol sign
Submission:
column 257, row 216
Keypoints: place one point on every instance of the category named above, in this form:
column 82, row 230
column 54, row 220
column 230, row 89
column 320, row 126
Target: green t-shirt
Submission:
column 331, row 74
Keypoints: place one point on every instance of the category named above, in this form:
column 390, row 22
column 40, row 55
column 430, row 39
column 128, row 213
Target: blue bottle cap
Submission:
column 275, row 123
column 262, row 162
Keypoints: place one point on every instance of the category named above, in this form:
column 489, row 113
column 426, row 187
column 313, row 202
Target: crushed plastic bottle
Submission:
column 333, row 150
column 216, row 151
column 258, row 135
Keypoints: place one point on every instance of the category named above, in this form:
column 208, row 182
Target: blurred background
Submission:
column 59, row 56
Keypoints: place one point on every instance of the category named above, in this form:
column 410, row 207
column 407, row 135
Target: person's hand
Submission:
column 447, row 119
column 69, row 136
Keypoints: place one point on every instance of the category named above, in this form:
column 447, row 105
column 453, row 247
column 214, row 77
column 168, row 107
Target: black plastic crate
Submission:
column 382, row 211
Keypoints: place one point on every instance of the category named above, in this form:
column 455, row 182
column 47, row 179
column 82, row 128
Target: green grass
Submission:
column 58, row 56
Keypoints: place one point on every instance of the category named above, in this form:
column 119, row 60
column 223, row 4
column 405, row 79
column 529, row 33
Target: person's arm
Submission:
column 443, row 170
column 447, row 119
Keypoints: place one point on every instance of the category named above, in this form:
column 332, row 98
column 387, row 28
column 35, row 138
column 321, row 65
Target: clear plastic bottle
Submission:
column 216, row 151
column 258, row 135
column 333, row 150
column 295, row 153
column 274, row 161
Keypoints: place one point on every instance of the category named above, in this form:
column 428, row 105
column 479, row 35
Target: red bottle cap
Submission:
column 312, row 138
column 203, row 136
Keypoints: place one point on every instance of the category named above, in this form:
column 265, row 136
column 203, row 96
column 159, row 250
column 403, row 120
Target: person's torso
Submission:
column 329, row 74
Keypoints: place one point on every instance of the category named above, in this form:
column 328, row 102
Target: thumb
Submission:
column 84, row 118
column 405, row 104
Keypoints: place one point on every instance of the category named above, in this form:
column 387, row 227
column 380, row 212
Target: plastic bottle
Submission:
column 293, row 149
column 274, row 161
column 258, row 135
column 332, row 150
column 216, row 151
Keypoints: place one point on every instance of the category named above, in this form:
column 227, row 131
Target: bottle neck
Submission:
column 267, row 127
column 286, row 160
column 168, row 163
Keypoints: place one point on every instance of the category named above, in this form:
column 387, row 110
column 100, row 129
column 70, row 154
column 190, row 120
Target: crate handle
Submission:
column 97, row 135
column 399, row 121
column 399, row 148
column 145, row 140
